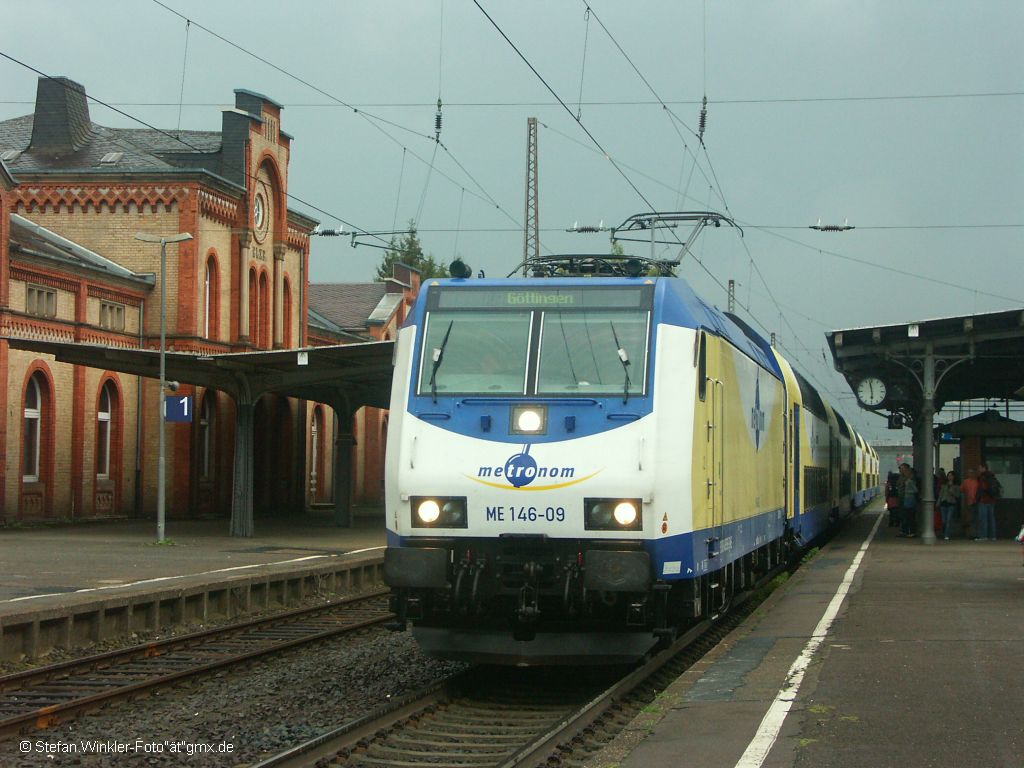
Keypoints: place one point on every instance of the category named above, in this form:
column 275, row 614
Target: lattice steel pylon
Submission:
column 531, row 220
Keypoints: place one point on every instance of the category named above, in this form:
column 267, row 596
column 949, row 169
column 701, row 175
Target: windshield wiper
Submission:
column 438, row 358
column 624, row 359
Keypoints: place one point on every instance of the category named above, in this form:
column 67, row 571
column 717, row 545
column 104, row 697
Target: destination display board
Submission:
column 543, row 297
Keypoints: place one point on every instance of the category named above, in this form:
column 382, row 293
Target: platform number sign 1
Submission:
column 177, row 408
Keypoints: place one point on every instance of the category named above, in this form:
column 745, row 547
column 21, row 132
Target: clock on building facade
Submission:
column 260, row 215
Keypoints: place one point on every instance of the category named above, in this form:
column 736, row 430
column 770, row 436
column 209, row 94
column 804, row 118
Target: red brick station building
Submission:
column 81, row 442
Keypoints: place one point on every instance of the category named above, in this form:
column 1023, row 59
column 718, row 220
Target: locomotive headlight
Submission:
column 612, row 515
column 454, row 511
column 428, row 511
column 529, row 420
column 438, row 511
column 625, row 513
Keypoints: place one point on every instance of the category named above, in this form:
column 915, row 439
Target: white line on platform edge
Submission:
column 361, row 551
column 771, row 725
column 172, row 578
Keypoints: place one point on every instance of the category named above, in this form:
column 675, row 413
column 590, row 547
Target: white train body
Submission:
column 576, row 468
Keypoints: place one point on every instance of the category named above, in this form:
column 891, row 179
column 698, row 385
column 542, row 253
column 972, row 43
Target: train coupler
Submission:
column 528, row 610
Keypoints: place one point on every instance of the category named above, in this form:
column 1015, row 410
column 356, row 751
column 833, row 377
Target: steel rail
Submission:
column 30, row 684
column 354, row 739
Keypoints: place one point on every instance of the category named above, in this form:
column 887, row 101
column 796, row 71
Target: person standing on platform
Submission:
column 939, row 481
column 908, row 502
column 949, row 501
column 892, row 499
column 969, row 497
column 988, row 492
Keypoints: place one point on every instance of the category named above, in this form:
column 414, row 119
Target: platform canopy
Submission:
column 359, row 373
column 975, row 356
column 345, row 377
column 925, row 364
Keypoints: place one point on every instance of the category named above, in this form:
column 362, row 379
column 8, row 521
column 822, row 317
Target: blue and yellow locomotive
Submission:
column 577, row 467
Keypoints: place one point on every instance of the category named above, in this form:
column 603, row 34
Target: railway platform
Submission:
column 880, row 651
column 75, row 585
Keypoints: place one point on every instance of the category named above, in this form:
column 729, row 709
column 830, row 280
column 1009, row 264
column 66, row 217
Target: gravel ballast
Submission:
column 238, row 716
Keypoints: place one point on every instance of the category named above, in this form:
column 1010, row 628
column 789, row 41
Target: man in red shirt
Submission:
column 969, row 494
column 986, row 527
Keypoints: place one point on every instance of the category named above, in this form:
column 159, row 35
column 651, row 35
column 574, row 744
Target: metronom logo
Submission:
column 521, row 469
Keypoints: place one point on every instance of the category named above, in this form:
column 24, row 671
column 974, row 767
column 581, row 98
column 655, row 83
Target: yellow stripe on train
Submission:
column 534, row 487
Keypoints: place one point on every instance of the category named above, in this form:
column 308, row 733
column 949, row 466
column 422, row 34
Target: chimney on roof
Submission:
column 61, row 124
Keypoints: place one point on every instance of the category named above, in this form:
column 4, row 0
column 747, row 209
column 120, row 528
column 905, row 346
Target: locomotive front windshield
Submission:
column 493, row 341
column 475, row 352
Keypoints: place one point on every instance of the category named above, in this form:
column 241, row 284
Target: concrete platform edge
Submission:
column 75, row 620
column 672, row 698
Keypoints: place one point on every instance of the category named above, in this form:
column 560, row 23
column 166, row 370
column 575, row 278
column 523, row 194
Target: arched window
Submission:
column 286, row 336
column 211, row 296
column 206, row 435
column 33, row 430
column 104, row 428
column 254, row 310
column 264, row 312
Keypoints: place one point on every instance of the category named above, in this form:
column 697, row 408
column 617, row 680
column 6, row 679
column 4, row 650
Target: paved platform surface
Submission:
column 922, row 666
column 38, row 562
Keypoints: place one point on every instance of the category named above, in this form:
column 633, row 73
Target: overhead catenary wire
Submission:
column 631, row 64
column 458, row 225
column 583, row 65
column 717, row 184
column 398, row 194
column 184, row 64
column 704, row 38
column 685, row 196
column 185, row 143
column 565, row 106
column 703, row 120
column 440, row 55
column 437, row 115
column 886, row 267
column 765, row 228
column 426, row 185
column 373, row 119
column 624, row 103
column 674, row 119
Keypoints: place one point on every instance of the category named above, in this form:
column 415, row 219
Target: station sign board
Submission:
column 178, row 408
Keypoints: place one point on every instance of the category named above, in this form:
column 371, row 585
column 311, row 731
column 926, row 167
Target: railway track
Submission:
column 44, row 697
column 492, row 717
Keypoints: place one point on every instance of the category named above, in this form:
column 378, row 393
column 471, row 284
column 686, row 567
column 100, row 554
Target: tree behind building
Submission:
column 406, row 249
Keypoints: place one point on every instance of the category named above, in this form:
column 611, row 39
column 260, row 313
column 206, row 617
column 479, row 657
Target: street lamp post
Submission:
column 161, row 471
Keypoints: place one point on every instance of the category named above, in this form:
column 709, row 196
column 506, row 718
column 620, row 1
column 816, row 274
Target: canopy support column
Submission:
column 343, row 442
column 926, row 437
column 242, row 482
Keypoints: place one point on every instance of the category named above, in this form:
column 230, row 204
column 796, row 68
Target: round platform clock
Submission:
column 871, row 391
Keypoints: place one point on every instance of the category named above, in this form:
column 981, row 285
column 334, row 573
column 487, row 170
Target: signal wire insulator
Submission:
column 703, row 120
column 844, row 227
column 437, row 122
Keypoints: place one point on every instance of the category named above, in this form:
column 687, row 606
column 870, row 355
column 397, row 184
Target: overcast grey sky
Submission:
column 903, row 117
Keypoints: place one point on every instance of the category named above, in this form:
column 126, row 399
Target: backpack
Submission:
column 995, row 488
